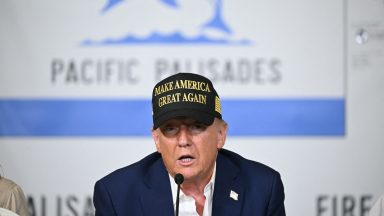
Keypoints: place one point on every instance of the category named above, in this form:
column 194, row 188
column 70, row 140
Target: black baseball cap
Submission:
column 185, row 95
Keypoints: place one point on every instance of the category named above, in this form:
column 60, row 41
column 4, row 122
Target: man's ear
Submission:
column 155, row 136
column 222, row 134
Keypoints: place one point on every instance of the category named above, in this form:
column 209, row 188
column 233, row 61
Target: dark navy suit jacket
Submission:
column 143, row 188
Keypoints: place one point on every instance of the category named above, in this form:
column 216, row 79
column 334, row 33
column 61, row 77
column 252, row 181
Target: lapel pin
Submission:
column 234, row 195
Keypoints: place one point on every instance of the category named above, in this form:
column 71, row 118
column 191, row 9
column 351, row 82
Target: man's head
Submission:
column 188, row 129
column 185, row 95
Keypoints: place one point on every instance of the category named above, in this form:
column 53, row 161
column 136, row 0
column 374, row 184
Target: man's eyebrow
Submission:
column 198, row 123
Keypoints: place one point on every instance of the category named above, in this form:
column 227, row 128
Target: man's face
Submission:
column 190, row 147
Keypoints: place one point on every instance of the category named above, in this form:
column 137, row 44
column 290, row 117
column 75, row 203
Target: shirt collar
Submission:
column 210, row 185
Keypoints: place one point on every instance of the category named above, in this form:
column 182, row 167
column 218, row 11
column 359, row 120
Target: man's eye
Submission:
column 197, row 127
column 169, row 130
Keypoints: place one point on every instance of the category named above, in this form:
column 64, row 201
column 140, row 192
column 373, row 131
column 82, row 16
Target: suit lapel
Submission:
column 228, row 197
column 229, row 193
column 157, row 195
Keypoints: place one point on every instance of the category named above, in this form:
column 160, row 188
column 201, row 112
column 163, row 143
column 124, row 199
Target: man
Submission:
column 189, row 135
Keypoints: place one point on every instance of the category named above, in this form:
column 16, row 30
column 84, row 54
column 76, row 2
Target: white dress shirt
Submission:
column 187, row 205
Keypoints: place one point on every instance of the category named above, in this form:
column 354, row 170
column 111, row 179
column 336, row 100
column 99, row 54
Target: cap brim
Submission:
column 199, row 116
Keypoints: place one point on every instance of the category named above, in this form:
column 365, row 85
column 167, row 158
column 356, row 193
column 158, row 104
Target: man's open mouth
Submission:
column 186, row 158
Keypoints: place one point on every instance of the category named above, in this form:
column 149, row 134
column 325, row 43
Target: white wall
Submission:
column 311, row 46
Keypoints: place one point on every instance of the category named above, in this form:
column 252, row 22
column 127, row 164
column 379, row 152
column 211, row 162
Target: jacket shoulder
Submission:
column 249, row 168
column 131, row 173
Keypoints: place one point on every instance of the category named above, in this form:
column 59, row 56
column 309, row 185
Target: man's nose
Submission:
column 184, row 136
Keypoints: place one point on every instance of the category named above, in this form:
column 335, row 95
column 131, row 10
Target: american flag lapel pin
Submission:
column 234, row 195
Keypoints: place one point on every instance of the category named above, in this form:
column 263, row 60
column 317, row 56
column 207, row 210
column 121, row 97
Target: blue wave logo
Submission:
column 215, row 23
